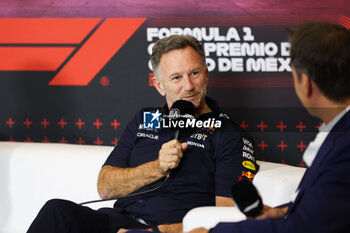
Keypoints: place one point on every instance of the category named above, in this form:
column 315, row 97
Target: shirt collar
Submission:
column 328, row 127
column 314, row 146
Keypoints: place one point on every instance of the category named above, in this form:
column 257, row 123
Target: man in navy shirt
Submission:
column 205, row 161
column 320, row 58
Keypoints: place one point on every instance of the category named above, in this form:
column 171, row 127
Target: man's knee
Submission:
column 58, row 205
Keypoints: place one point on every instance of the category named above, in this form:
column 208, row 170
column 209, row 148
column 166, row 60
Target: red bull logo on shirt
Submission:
column 248, row 175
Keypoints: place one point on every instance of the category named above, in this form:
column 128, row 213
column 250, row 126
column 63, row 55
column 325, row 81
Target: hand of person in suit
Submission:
column 199, row 230
column 269, row 212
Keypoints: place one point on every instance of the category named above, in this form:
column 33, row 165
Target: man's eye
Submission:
column 175, row 78
column 195, row 73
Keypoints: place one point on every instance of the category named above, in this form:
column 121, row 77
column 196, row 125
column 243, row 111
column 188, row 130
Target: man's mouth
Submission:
column 189, row 97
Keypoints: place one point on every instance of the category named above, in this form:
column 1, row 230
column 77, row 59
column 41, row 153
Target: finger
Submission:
column 261, row 216
column 174, row 150
column 170, row 158
column 172, row 144
column 171, row 165
column 175, row 143
column 184, row 146
column 121, row 230
column 170, row 152
column 169, row 161
column 180, row 154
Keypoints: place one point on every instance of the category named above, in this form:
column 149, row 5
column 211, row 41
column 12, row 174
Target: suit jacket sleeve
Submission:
column 323, row 205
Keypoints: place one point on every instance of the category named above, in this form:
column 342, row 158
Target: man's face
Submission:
column 183, row 76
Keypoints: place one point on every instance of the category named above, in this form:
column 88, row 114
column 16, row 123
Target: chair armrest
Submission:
column 209, row 216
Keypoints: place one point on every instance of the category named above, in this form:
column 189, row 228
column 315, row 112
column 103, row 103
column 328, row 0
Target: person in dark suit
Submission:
column 320, row 60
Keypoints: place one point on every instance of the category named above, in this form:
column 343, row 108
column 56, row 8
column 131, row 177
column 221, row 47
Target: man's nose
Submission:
column 188, row 85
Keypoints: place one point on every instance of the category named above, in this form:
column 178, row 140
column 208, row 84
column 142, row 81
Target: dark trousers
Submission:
column 61, row 216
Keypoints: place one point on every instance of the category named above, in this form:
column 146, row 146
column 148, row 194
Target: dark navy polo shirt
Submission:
column 210, row 165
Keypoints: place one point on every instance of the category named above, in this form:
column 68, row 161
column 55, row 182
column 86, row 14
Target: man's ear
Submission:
column 307, row 85
column 158, row 85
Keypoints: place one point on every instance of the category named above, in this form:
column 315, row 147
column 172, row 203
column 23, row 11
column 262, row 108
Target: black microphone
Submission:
column 180, row 111
column 247, row 198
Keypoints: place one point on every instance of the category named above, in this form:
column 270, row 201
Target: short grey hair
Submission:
column 171, row 43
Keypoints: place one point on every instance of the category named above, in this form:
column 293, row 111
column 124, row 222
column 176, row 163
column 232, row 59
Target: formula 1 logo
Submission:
column 76, row 48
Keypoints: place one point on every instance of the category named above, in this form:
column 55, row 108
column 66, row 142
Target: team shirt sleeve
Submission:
column 235, row 161
column 120, row 156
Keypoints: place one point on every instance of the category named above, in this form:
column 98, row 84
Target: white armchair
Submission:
column 32, row 173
